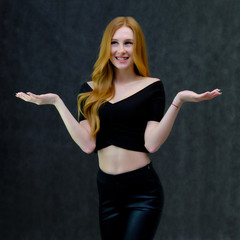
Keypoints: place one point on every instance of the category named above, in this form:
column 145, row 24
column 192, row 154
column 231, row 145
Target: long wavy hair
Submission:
column 103, row 73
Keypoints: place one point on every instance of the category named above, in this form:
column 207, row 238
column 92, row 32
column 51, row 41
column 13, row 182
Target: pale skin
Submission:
column 113, row 159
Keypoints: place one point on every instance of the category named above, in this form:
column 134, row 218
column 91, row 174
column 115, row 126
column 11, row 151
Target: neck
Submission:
column 124, row 76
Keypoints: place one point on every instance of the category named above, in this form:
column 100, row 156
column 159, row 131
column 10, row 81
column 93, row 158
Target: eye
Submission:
column 128, row 43
column 113, row 43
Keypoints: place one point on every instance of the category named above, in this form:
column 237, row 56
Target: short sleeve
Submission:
column 157, row 103
column 84, row 88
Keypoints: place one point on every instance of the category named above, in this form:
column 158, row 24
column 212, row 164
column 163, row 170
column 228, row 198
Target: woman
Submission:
column 121, row 118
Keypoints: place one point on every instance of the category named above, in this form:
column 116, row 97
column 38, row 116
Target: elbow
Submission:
column 152, row 148
column 89, row 148
column 88, row 151
column 86, row 145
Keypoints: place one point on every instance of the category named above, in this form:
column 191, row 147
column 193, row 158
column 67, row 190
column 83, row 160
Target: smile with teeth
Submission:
column 121, row 58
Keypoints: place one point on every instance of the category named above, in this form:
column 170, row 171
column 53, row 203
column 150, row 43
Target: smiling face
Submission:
column 122, row 48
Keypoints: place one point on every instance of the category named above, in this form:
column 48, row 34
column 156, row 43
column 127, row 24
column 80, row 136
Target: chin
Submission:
column 122, row 66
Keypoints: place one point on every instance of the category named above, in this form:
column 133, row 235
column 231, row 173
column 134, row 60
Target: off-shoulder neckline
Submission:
column 134, row 94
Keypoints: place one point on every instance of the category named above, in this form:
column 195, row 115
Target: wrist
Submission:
column 56, row 101
column 177, row 101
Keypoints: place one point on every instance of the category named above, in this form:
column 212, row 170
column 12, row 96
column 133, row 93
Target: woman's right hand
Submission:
column 49, row 98
column 79, row 132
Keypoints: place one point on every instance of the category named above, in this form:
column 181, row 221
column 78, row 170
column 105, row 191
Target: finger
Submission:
column 20, row 94
column 215, row 94
column 32, row 95
column 216, row 91
column 24, row 97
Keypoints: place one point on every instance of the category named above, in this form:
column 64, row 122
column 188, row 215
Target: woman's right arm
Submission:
column 80, row 132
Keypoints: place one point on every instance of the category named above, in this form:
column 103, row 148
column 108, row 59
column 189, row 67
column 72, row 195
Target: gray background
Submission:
column 48, row 185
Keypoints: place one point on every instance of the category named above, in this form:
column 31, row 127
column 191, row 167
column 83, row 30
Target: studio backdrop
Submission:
column 48, row 185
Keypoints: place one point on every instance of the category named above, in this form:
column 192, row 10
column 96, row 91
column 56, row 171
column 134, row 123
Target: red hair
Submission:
column 103, row 73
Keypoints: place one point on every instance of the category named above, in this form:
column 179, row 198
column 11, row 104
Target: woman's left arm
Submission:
column 156, row 133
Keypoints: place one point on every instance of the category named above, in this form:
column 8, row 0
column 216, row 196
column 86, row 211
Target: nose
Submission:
column 121, row 48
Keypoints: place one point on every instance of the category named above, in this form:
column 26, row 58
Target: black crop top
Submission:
column 123, row 123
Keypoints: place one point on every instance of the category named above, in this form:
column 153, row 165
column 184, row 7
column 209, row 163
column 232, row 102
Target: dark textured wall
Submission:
column 47, row 184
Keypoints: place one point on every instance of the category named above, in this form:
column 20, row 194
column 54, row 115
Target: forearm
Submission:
column 158, row 135
column 78, row 133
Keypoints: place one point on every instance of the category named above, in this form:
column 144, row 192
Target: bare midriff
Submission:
column 116, row 160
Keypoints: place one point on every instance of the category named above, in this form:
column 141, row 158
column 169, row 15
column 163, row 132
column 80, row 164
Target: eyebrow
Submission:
column 113, row 39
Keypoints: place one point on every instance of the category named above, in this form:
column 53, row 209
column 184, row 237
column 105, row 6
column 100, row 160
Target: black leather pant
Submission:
column 130, row 204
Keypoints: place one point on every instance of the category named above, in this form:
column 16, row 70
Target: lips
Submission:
column 122, row 58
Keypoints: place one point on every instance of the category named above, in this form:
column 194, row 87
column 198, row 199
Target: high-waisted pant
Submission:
column 130, row 204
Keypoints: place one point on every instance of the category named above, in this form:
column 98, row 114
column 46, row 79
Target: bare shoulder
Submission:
column 149, row 80
column 152, row 80
column 90, row 83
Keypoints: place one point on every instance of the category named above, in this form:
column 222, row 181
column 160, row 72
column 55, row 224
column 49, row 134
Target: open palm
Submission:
column 49, row 98
column 190, row 96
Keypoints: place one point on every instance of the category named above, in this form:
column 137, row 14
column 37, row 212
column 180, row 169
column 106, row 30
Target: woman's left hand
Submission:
column 190, row 96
